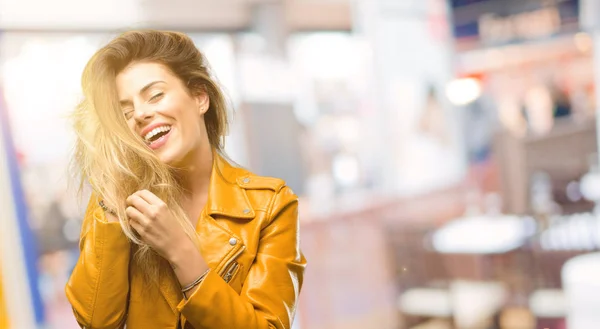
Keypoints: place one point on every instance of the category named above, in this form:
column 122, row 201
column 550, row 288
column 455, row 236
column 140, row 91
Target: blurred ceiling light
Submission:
column 583, row 42
column 463, row 91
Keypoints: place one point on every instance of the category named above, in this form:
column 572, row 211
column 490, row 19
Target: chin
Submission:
column 178, row 156
column 169, row 161
column 167, row 157
column 173, row 160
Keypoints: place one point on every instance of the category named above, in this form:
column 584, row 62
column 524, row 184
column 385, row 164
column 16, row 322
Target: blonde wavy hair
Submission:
column 115, row 161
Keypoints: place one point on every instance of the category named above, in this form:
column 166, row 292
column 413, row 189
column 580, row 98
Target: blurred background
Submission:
column 445, row 151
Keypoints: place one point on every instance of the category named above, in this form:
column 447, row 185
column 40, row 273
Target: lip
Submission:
column 149, row 128
column 161, row 141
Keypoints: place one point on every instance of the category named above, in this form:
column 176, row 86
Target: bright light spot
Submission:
column 463, row 91
column 346, row 170
column 590, row 186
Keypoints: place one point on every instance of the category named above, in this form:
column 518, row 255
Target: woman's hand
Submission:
column 152, row 220
column 150, row 217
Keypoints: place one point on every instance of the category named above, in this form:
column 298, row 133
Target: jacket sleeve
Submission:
column 98, row 288
column 270, row 292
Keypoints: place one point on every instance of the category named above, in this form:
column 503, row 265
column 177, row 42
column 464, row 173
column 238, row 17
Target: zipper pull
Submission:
column 230, row 272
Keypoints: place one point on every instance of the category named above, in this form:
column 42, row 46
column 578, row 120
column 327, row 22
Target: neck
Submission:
column 195, row 177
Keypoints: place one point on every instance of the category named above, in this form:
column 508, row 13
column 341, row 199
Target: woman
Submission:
column 174, row 236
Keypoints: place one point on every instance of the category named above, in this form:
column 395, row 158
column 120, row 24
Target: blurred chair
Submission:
column 580, row 279
column 548, row 306
column 476, row 303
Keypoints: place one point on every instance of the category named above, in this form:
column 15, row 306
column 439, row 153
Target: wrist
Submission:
column 182, row 252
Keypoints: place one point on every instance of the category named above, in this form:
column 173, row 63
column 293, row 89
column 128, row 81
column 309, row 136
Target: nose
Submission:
column 143, row 114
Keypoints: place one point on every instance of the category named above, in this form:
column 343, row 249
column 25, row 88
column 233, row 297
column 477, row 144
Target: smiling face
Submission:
column 160, row 109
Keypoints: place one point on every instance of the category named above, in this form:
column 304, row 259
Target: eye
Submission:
column 128, row 114
column 156, row 97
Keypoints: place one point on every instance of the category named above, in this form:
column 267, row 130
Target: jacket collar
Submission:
column 226, row 196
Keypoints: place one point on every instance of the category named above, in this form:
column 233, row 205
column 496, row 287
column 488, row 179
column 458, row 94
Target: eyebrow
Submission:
column 145, row 88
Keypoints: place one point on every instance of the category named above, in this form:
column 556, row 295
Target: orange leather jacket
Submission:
column 249, row 235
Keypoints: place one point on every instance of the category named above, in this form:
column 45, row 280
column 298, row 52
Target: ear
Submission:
column 202, row 102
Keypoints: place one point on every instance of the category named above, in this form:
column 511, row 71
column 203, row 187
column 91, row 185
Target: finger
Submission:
column 139, row 203
column 137, row 228
column 136, row 216
column 149, row 197
column 156, row 205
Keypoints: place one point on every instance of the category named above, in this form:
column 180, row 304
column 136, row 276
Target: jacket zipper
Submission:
column 231, row 271
column 231, row 266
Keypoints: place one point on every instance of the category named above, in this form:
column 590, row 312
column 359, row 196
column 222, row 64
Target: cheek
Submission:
column 131, row 125
column 189, row 136
column 190, row 121
column 188, row 132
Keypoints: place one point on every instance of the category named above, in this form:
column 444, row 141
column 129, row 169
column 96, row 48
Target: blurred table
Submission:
column 486, row 234
column 486, row 248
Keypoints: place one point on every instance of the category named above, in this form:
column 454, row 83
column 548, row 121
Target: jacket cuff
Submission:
column 202, row 299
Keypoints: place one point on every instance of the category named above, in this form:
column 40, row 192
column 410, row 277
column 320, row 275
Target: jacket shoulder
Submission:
column 250, row 181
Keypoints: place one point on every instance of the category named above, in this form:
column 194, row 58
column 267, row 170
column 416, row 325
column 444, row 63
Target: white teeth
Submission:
column 155, row 131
